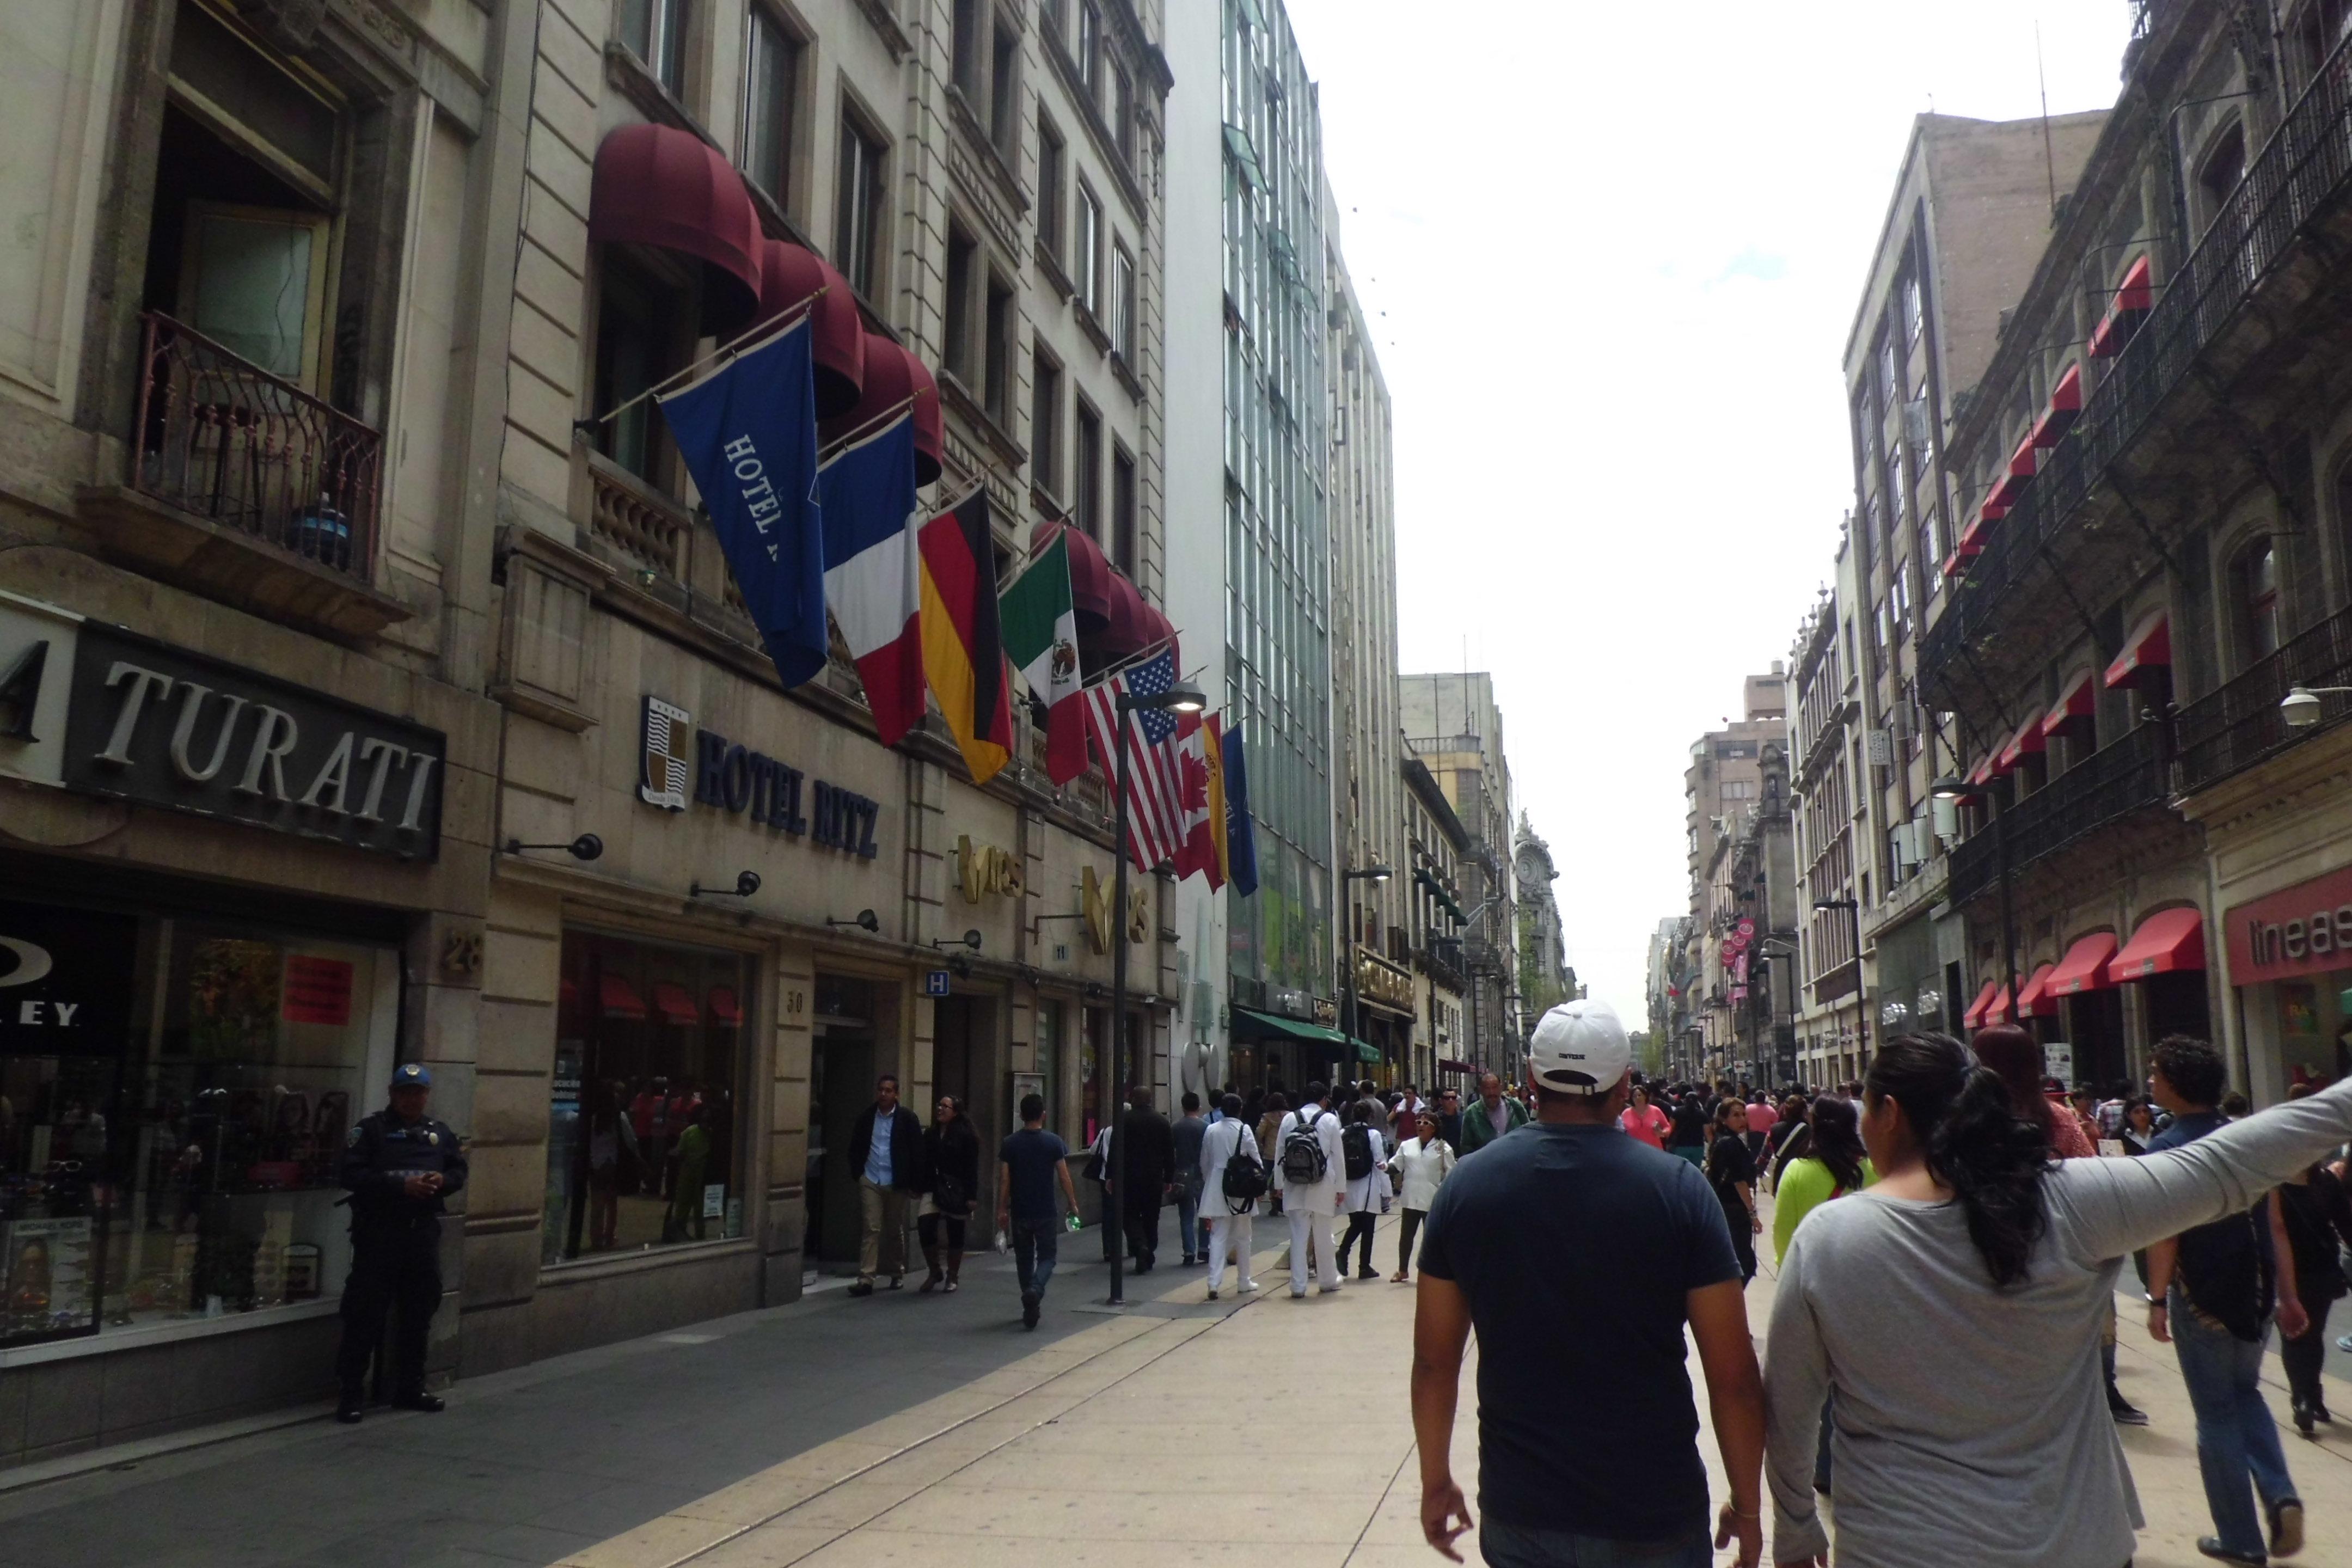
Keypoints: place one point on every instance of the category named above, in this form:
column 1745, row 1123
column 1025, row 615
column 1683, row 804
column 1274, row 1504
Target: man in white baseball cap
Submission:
column 1579, row 1253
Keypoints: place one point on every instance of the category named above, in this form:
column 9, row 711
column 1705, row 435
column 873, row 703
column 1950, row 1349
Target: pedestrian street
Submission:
column 906, row 1428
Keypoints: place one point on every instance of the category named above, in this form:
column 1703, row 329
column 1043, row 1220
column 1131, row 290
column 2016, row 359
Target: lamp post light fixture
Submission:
column 1176, row 698
column 1375, row 874
column 1955, row 790
column 866, row 921
column 746, row 884
column 587, row 846
column 970, row 938
column 2300, row 707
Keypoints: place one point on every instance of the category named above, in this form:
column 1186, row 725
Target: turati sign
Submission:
column 162, row 726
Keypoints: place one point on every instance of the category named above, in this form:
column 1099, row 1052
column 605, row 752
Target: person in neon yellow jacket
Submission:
column 1832, row 1166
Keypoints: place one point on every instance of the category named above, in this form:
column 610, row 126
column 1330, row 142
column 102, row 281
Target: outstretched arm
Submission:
column 1440, row 1327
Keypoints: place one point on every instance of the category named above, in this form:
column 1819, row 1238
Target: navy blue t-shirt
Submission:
column 1577, row 1247
column 2227, row 1268
column 1033, row 1153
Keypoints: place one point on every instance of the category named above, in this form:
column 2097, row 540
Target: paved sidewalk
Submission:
column 839, row 1434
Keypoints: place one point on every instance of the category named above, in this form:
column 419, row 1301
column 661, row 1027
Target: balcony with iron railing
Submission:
column 2303, row 169
column 242, row 486
column 2240, row 723
column 2111, row 784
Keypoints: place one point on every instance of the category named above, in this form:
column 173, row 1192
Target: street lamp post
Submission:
column 1175, row 699
column 1953, row 791
column 1853, row 908
column 1375, row 874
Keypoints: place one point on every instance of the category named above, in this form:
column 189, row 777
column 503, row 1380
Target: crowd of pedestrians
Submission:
column 1939, row 1361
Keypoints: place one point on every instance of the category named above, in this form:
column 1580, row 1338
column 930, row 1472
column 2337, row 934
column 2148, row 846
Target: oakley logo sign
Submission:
column 28, row 962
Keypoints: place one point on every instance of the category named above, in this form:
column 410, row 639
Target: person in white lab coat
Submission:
column 1420, row 1165
column 1229, row 1233
column 1365, row 1192
column 1312, row 1190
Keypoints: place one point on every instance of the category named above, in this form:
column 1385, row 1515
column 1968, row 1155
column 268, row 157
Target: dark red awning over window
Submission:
column 2136, row 292
column 894, row 378
column 789, row 277
column 2026, row 743
column 1127, row 632
column 1089, row 572
column 2073, row 704
column 2148, row 647
column 675, row 1006
column 619, row 999
column 2165, row 943
column 2084, row 967
column 2024, row 461
column 666, row 188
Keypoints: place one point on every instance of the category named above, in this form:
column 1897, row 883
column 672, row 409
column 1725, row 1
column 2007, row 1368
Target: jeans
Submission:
column 2236, row 1437
column 1035, row 1245
column 1188, row 1218
column 1515, row 1546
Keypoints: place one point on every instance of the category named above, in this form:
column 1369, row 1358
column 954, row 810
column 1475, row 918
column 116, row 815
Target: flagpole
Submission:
column 775, row 326
column 1119, row 1016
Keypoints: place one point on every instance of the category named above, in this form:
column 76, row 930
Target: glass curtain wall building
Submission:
column 1277, row 627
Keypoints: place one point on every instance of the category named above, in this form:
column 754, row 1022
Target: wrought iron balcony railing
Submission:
column 222, row 439
column 2302, row 169
column 2111, row 782
column 2239, row 723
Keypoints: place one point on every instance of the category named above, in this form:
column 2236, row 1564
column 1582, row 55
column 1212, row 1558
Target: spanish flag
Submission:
column 963, row 654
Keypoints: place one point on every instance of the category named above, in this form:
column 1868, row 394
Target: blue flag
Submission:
column 747, row 434
column 1241, row 839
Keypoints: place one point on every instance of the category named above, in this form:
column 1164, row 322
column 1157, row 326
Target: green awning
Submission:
column 1436, row 890
column 1293, row 1028
column 1367, row 1052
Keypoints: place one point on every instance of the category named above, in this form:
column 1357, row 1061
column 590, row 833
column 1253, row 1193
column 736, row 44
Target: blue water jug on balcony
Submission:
column 324, row 535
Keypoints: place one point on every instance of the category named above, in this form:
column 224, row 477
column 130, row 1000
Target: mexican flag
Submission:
column 1040, row 621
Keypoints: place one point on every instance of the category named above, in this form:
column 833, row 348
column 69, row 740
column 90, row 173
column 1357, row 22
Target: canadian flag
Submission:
column 1196, row 802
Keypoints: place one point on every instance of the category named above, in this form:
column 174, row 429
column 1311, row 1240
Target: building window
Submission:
column 1122, row 113
column 858, row 208
column 1126, row 548
column 963, row 252
column 1088, row 260
column 966, row 43
column 1894, row 483
column 2256, row 580
column 1913, row 319
column 641, row 331
column 1122, row 305
column 1090, row 46
column 1005, row 93
column 996, row 369
column 1901, row 599
column 771, row 71
column 1046, row 425
column 1890, row 383
column 1087, row 506
column 642, row 1151
column 180, row 1159
column 656, row 29
column 1051, row 163
column 2223, row 167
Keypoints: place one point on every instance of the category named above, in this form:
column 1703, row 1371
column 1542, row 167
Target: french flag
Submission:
column 873, row 581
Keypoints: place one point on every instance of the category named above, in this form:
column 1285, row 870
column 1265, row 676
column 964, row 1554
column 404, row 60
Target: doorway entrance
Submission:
column 843, row 1062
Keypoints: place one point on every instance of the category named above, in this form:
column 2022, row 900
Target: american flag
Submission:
column 1155, row 817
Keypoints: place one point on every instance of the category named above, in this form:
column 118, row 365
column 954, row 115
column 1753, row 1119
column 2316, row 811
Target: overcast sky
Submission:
column 1612, row 254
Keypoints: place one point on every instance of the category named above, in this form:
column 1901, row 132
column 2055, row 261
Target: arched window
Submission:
column 2253, row 581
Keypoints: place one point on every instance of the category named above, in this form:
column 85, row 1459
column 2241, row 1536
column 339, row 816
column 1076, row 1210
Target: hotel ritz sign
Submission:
column 740, row 781
column 103, row 710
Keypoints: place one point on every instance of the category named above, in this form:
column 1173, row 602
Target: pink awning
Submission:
column 2148, row 647
column 2084, row 967
column 2165, row 943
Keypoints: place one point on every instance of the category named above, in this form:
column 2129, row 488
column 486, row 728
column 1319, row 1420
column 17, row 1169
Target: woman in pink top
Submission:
column 1644, row 1120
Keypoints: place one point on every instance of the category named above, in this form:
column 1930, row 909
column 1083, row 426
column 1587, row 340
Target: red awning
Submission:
column 2026, row 743
column 675, row 1005
column 2149, row 644
column 2107, row 339
column 2073, row 704
column 1972, row 538
column 2084, row 967
column 1089, row 572
column 1981, row 775
column 2166, row 942
column 620, row 1001
column 2024, row 461
column 1157, row 628
column 1997, row 1010
column 893, row 377
column 2137, row 290
column 666, row 188
column 2004, row 493
column 2034, row 1001
column 2066, row 397
column 724, row 1008
column 1957, row 563
column 1974, row 1017
column 1127, row 634
column 789, row 277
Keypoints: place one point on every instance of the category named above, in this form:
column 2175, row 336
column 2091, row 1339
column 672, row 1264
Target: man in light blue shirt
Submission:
column 885, row 1149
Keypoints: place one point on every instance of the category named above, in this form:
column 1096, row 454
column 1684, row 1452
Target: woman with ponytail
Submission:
column 1956, row 1307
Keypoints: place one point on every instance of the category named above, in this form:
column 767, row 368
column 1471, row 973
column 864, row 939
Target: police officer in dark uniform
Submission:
column 397, row 1167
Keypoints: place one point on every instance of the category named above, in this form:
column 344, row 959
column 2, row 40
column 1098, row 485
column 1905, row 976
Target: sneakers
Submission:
column 1330, row 1291
column 863, row 1287
column 1245, row 1287
column 1030, row 1302
column 430, row 1404
column 350, row 1409
column 2286, row 1528
column 2306, row 1423
column 2125, row 1411
column 1298, row 1295
column 2210, row 1546
column 1213, row 1295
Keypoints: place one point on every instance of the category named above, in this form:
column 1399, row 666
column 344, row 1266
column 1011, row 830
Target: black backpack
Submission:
column 1244, row 1180
column 1303, row 1160
column 1356, row 1146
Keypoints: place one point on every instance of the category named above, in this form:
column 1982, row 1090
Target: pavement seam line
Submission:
column 739, row 1532
column 1381, row 1501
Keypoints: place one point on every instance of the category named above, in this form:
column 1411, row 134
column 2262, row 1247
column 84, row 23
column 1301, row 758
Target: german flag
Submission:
column 963, row 654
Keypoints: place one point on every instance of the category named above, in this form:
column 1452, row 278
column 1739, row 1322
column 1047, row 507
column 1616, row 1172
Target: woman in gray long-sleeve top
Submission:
column 1957, row 1308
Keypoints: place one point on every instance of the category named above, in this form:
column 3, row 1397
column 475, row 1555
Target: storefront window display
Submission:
column 643, row 1144
column 174, row 1100
column 1049, row 1059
